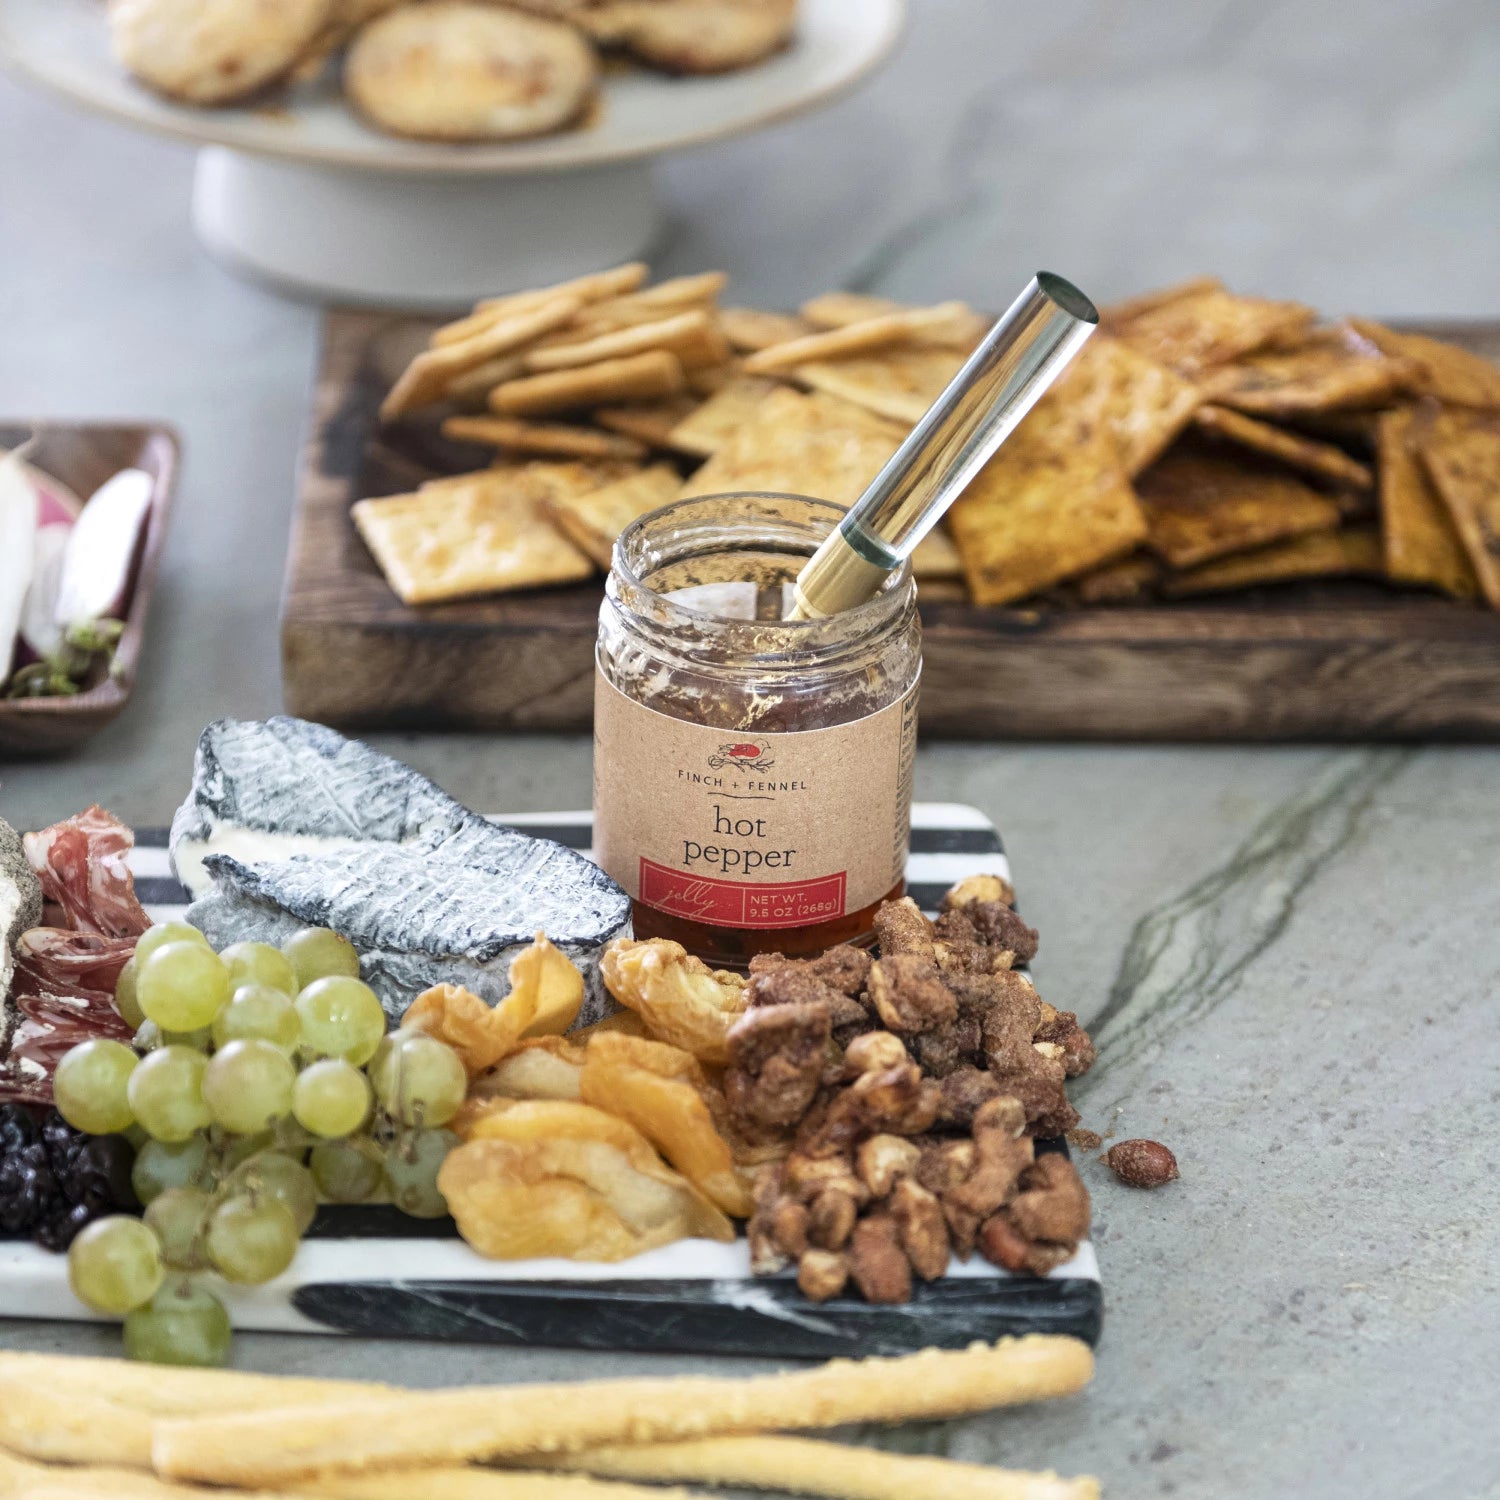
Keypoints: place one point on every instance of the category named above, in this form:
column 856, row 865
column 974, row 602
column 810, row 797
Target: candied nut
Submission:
column 944, row 1164
column 789, row 986
column 873, row 1052
column 909, row 994
column 822, row 1274
column 831, row 1217
column 1053, row 1204
column 1142, row 1163
column 789, row 1227
column 962, row 1093
column 1001, row 1154
column 1002, row 1244
column 922, row 1228
column 842, row 968
column 883, row 1159
column 898, row 1100
column 766, row 1256
column 1050, row 1050
column 877, row 1262
column 901, row 928
column 974, row 888
column 806, row 1177
column 1062, row 1028
column 776, row 1058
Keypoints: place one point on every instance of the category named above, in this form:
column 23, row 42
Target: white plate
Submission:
column 64, row 45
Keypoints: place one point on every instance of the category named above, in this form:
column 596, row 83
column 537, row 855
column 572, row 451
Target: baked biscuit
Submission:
column 457, row 71
column 695, row 36
column 213, row 51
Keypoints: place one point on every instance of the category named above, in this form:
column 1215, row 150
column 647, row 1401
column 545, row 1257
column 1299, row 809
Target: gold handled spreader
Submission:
column 1004, row 378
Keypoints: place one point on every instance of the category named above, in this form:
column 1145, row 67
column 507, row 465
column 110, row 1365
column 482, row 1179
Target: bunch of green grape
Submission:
column 261, row 1083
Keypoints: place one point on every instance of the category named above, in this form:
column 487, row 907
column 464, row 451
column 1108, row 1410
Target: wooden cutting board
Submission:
column 1334, row 660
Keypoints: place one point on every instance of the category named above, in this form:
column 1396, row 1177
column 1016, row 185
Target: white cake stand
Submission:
column 299, row 191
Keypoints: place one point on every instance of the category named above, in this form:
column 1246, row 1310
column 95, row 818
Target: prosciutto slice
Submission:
column 52, row 958
column 81, row 864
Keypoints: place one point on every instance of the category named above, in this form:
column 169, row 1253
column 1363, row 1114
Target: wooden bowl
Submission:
column 82, row 455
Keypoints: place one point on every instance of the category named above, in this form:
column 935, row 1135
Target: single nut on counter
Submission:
column 1141, row 1163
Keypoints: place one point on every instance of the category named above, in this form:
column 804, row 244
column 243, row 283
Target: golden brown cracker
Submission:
column 1324, row 460
column 593, row 521
column 1331, row 370
column 840, row 309
column 749, row 329
column 1206, row 326
column 1354, row 552
column 708, row 427
column 1140, row 403
column 487, row 535
column 1128, row 308
column 1422, row 544
column 650, row 421
column 549, row 439
column 800, row 445
column 595, row 286
column 641, row 377
column 908, row 326
column 1443, row 371
column 1051, row 504
column 899, row 384
column 687, row 334
column 428, row 376
column 1461, row 452
column 473, row 386
column 1202, row 504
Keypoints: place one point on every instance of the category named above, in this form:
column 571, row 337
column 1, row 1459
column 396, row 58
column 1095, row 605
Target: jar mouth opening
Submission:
column 723, row 524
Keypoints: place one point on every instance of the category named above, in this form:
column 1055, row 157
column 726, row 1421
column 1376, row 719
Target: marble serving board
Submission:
column 374, row 1271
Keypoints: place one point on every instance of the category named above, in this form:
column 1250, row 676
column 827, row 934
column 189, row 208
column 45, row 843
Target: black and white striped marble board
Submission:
column 372, row 1271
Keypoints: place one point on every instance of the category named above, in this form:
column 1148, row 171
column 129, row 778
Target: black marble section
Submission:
column 956, row 841
column 769, row 1317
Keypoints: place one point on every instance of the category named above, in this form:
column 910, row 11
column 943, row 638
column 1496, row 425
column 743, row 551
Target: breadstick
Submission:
column 426, row 378
column 596, row 286
column 642, row 377
column 163, row 1390
column 55, row 1425
column 806, row 1466
column 457, row 1426
column 461, row 1483
column 685, row 330
column 856, row 338
column 559, row 439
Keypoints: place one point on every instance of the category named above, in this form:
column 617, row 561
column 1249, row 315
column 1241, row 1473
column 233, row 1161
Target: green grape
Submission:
column 126, row 1001
column 181, row 1325
column 182, row 986
column 166, row 1093
column 341, row 1018
column 89, row 1086
column 349, row 1171
column 411, row 1169
column 291, row 1139
column 420, row 1080
column 252, row 1238
column 160, row 1167
column 256, row 1011
column 248, row 1085
column 114, row 1266
column 332, row 1098
column 276, row 1176
column 162, row 934
column 317, row 953
column 260, row 963
column 176, row 1217
column 149, row 1036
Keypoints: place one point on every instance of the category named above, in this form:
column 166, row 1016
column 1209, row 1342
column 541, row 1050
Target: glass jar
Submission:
column 752, row 774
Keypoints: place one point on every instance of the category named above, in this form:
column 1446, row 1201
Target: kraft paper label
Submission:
column 751, row 830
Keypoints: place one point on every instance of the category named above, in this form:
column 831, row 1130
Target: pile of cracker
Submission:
column 1202, row 441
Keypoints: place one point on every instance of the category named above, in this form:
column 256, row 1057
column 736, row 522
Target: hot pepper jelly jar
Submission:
column 752, row 773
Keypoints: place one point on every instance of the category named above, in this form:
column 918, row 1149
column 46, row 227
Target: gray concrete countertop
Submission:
column 1289, row 955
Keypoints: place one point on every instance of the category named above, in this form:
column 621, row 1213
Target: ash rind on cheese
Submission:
column 426, row 890
column 20, row 900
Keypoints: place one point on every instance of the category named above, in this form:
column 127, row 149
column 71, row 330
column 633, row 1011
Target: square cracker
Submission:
column 1444, row 371
column 1421, row 542
column 1332, row 370
column 1051, row 504
column 1203, row 325
column 899, row 385
column 800, row 445
column 749, row 329
column 706, row 429
column 1138, row 402
column 1353, row 552
column 1323, row 460
column 1201, row 504
column 594, row 521
column 1461, row 450
column 650, row 421
column 486, row 534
